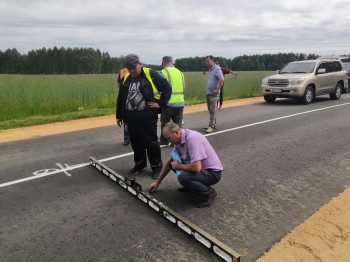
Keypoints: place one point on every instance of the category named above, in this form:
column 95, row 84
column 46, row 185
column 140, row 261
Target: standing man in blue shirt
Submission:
column 214, row 84
column 198, row 162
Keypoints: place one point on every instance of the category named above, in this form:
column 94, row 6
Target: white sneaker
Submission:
column 209, row 130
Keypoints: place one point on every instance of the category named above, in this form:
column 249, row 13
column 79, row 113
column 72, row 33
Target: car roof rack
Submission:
column 342, row 58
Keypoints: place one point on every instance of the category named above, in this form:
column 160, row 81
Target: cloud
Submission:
column 178, row 28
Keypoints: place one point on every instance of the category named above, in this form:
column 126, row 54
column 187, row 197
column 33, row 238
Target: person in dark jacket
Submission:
column 142, row 96
column 224, row 71
column 126, row 141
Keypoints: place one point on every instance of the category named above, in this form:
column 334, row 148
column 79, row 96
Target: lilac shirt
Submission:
column 195, row 147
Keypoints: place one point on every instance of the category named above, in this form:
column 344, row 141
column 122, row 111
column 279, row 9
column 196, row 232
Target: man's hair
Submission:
column 171, row 127
column 167, row 59
column 210, row 57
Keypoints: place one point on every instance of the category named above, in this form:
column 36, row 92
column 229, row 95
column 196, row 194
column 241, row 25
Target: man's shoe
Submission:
column 209, row 201
column 136, row 170
column 183, row 189
column 219, row 107
column 206, row 127
column 155, row 174
column 125, row 143
column 209, row 130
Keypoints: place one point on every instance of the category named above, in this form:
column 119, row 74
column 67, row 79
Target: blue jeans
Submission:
column 200, row 183
column 126, row 134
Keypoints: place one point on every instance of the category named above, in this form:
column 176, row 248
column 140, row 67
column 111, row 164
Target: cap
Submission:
column 131, row 61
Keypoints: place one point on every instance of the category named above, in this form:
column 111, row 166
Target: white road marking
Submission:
column 275, row 119
column 69, row 168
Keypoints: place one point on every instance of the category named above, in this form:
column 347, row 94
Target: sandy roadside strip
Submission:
column 325, row 236
column 81, row 124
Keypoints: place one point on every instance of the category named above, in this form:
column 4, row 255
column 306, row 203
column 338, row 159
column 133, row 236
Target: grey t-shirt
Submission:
column 135, row 100
column 215, row 74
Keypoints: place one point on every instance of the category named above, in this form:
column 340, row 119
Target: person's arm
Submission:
column 163, row 86
column 193, row 167
column 221, row 78
column 221, row 82
column 225, row 71
column 119, row 113
column 165, row 170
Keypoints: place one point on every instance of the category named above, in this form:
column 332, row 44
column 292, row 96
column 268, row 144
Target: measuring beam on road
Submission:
column 130, row 185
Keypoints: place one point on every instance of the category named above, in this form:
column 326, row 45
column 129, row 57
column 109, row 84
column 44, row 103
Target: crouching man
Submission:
column 195, row 162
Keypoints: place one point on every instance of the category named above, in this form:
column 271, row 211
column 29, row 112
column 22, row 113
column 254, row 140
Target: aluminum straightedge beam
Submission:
column 216, row 246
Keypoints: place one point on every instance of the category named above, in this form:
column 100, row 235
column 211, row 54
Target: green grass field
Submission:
column 38, row 99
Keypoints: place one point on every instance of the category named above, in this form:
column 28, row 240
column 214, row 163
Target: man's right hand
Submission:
column 153, row 187
column 119, row 122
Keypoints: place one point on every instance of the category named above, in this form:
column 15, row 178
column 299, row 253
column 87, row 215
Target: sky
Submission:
column 180, row 28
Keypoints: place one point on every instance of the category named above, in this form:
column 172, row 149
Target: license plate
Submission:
column 275, row 90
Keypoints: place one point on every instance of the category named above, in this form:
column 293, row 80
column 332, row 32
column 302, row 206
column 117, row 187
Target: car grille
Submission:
column 278, row 82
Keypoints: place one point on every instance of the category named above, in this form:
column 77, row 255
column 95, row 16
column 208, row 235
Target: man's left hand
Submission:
column 215, row 90
column 153, row 105
column 175, row 164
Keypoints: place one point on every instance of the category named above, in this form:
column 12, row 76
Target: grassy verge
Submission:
column 40, row 120
column 38, row 99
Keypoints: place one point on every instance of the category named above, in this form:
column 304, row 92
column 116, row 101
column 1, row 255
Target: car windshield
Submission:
column 300, row 68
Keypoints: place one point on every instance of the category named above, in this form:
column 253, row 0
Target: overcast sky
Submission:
column 179, row 28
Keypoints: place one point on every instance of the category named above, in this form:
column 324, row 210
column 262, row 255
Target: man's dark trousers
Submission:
column 144, row 140
column 170, row 113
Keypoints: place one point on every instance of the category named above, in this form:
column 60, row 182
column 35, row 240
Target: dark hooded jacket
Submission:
column 160, row 83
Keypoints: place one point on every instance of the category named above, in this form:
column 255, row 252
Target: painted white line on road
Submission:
column 274, row 119
column 57, row 171
column 65, row 170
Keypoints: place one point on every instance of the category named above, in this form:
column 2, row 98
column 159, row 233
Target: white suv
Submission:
column 306, row 79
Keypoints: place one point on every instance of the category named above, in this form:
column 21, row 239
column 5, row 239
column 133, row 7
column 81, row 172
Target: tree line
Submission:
column 245, row 62
column 93, row 61
column 59, row 61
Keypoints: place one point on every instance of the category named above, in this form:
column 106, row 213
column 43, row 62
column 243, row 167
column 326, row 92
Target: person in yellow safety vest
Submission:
column 143, row 93
column 176, row 104
column 126, row 135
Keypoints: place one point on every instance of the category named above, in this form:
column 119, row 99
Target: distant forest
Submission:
column 93, row 61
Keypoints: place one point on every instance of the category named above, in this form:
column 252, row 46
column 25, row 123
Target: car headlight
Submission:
column 264, row 81
column 295, row 82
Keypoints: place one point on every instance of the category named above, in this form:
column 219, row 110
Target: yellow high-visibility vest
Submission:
column 156, row 93
column 176, row 79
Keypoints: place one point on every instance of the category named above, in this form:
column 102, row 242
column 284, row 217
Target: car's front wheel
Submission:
column 308, row 96
column 269, row 98
column 337, row 92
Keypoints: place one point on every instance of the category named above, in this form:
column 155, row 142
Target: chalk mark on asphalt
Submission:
column 49, row 172
column 60, row 169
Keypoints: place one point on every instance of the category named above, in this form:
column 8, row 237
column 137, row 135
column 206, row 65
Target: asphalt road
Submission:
column 282, row 162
